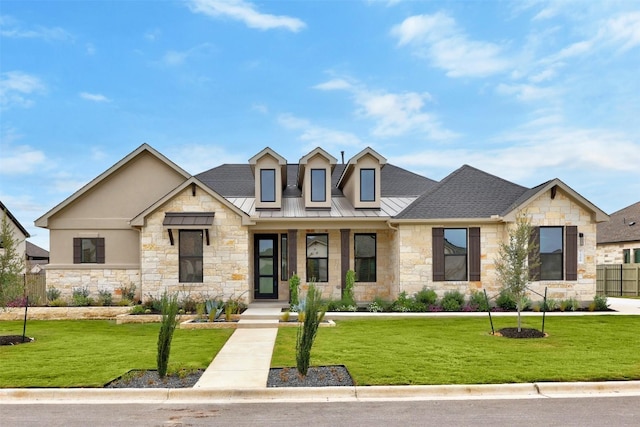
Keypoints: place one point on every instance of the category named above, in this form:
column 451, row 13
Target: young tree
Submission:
column 11, row 265
column 313, row 315
column 167, row 327
column 516, row 260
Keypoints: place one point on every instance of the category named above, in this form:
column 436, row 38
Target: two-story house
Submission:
column 244, row 229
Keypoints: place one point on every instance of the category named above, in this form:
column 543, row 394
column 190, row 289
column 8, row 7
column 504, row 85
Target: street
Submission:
column 596, row 411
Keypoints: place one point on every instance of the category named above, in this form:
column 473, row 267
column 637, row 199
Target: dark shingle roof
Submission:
column 619, row 228
column 466, row 193
column 236, row 180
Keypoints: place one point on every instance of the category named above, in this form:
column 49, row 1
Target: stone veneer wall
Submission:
column 95, row 280
column 611, row 253
column 225, row 260
column 415, row 258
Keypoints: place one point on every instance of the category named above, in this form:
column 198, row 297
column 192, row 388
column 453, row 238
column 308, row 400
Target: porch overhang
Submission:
column 188, row 221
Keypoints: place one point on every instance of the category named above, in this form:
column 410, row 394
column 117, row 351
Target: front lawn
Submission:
column 461, row 350
column 90, row 353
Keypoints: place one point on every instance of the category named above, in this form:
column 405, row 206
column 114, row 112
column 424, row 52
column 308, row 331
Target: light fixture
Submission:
column 581, row 237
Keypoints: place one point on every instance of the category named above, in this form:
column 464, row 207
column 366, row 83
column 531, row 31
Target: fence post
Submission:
column 620, row 279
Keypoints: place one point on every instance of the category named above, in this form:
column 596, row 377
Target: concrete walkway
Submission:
column 245, row 360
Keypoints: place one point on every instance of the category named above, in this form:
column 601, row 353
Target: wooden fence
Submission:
column 36, row 287
column 618, row 280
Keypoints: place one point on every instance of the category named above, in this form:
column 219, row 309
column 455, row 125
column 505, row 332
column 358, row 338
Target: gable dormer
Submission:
column 270, row 175
column 360, row 180
column 314, row 178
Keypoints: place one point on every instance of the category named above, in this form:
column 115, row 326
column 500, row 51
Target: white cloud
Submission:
column 153, row 35
column 245, row 12
column 260, row 108
column 527, row 92
column 20, row 159
column 15, row 86
column 394, row 114
column 91, row 49
column 12, row 28
column 316, row 136
column 94, row 97
column 622, row 30
column 174, row 58
column 446, row 46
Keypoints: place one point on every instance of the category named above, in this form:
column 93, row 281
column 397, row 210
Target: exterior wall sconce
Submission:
column 581, row 239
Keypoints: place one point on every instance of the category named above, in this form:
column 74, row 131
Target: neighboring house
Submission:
column 243, row 229
column 37, row 258
column 20, row 234
column 619, row 239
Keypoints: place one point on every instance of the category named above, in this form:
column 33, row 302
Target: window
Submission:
column 190, row 256
column 318, row 185
column 365, row 257
column 317, row 257
column 367, row 185
column 455, row 254
column 551, row 253
column 88, row 250
column 626, row 256
column 267, row 185
column 636, row 256
column 284, row 257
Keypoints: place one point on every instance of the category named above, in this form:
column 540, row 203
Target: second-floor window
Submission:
column 318, row 185
column 267, row 185
column 367, row 185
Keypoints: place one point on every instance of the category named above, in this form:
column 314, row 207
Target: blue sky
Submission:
column 526, row 90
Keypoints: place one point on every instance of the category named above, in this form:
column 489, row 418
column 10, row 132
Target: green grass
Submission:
column 461, row 350
column 90, row 353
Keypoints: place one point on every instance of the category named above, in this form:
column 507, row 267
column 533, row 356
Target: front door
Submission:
column 265, row 283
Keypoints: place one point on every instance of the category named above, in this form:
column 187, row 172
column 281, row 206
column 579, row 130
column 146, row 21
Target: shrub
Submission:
column 167, row 327
column 213, row 308
column 128, row 292
column 152, row 303
column 426, row 296
column 104, row 297
column 506, row 301
column 550, row 305
column 374, row 307
column 138, row 309
column 314, row 313
column 124, row 302
column 478, row 301
column 53, row 293
column 80, row 297
column 341, row 305
column 600, row 303
column 294, row 289
column 571, row 304
column 347, row 297
column 404, row 304
column 58, row 302
column 452, row 301
column 188, row 304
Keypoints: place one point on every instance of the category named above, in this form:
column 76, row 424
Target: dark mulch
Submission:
column 523, row 333
column 150, row 379
column 317, row 376
column 14, row 339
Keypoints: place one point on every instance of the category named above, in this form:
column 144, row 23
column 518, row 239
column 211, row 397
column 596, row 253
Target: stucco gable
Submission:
column 106, row 180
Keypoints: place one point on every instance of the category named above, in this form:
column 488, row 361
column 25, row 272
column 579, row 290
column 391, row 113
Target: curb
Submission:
column 322, row 394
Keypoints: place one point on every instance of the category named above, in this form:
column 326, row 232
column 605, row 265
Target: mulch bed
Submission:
column 150, row 379
column 523, row 333
column 14, row 340
column 317, row 376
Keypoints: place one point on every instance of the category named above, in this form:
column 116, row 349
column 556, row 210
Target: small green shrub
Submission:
column 478, row 301
column 600, row 303
column 294, row 290
column 58, row 302
column 124, row 302
column 348, row 297
column 53, row 293
column 188, row 304
column 152, row 303
column 506, row 301
column 314, row 313
column 570, row 304
column 341, row 305
column 80, row 297
column 452, row 301
column 426, row 297
column 138, row 309
column 104, row 297
column 167, row 327
column 128, row 292
column 374, row 307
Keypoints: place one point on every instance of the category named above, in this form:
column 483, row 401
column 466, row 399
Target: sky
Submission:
column 525, row 90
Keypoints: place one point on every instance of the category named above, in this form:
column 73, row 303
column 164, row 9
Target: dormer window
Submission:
column 268, row 185
column 318, row 185
column 270, row 172
column 367, row 185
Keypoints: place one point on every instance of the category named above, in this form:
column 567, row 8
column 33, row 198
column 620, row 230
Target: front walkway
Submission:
column 245, row 360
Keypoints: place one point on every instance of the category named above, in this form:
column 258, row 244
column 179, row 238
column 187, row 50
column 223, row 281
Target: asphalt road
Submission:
column 598, row 411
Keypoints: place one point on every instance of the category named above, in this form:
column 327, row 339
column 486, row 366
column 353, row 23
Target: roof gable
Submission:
column 623, row 226
column 13, row 219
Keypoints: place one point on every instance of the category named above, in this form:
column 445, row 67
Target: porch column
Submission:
column 292, row 249
column 344, row 257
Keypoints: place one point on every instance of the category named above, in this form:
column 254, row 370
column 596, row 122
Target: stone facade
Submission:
column 612, row 253
column 95, row 280
column 225, row 259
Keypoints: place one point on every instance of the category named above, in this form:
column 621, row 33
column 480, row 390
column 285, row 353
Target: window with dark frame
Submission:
column 455, row 254
column 190, row 256
column 318, row 185
column 284, row 257
column 317, row 257
column 636, row 256
column 365, row 257
column 367, row 185
column 88, row 250
column 551, row 253
column 626, row 256
column 267, row 185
